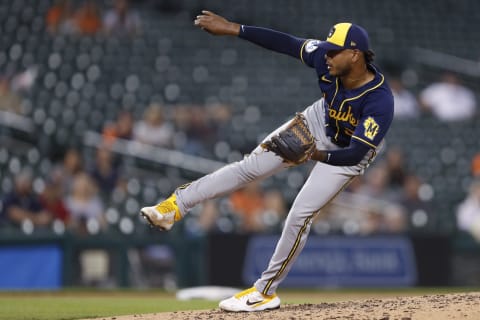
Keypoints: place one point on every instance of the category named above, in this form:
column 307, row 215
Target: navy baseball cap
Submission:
column 346, row 35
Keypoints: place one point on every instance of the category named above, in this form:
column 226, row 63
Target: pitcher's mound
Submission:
column 465, row 306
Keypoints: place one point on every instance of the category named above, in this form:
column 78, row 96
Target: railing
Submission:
column 15, row 121
column 446, row 61
column 155, row 154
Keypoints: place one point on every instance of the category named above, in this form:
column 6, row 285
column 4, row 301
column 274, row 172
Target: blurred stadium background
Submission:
column 221, row 96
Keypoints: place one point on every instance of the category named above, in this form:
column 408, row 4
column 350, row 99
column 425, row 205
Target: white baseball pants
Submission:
column 323, row 184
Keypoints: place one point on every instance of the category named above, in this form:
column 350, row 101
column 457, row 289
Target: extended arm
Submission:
column 267, row 38
column 216, row 25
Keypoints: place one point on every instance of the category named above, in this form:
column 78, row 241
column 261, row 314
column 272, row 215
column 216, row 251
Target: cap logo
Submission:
column 332, row 31
column 338, row 34
column 353, row 44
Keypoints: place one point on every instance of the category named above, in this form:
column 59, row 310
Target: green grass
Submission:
column 68, row 305
column 80, row 304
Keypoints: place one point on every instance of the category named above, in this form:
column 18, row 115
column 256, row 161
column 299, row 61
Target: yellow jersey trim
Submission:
column 354, row 98
column 331, row 103
column 301, row 50
column 364, row 141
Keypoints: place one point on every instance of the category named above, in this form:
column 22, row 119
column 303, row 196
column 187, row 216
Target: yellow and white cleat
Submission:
column 163, row 215
column 250, row 300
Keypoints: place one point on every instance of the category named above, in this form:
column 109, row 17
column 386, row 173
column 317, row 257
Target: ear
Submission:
column 356, row 56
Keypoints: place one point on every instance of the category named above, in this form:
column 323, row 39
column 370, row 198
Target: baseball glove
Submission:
column 295, row 144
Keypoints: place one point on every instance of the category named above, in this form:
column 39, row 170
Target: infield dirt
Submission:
column 465, row 306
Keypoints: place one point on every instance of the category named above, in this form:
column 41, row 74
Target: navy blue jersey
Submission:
column 364, row 113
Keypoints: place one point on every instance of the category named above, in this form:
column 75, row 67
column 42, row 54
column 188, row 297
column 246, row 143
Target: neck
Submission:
column 357, row 78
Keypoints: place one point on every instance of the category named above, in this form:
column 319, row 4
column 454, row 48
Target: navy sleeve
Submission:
column 314, row 56
column 349, row 156
column 376, row 118
column 273, row 40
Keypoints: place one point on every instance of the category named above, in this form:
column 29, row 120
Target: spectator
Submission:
column 376, row 185
column 258, row 210
column 71, row 165
column 153, row 129
column 121, row 20
column 85, row 206
column 23, row 205
column 476, row 165
column 371, row 221
column 204, row 219
column 87, row 18
column 59, row 18
column 275, row 209
column 468, row 212
column 247, row 203
column 87, row 218
column 448, row 99
column 192, row 124
column 395, row 219
column 51, row 198
column 121, row 128
column 390, row 219
column 182, row 119
column 105, row 171
column 417, row 209
column 23, row 81
column 396, row 167
column 9, row 100
column 406, row 105
column 220, row 116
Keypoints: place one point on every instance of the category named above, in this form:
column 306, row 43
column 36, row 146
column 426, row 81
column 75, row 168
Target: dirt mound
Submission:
column 465, row 306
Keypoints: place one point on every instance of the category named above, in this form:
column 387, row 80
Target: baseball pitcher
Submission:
column 341, row 132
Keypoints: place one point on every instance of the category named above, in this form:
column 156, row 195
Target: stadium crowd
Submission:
column 85, row 191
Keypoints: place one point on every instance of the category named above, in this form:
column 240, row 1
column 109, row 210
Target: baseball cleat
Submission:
column 163, row 215
column 250, row 300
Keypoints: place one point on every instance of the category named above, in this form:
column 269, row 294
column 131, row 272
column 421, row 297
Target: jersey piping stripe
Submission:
column 297, row 240
column 331, row 103
column 356, row 97
column 335, row 94
column 301, row 50
column 364, row 141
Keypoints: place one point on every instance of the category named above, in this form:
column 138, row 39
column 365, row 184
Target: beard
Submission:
column 340, row 71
